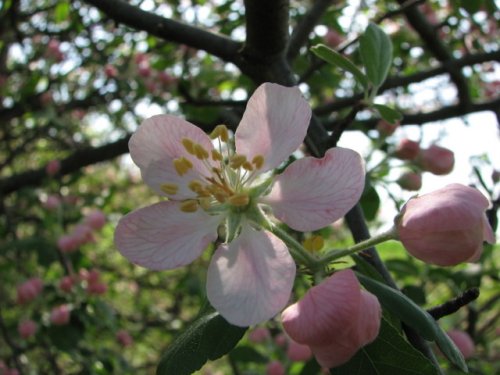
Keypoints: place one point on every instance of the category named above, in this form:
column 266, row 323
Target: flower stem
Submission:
column 336, row 254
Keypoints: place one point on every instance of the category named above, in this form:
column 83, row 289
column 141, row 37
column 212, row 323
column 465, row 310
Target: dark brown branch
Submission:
column 169, row 30
column 455, row 304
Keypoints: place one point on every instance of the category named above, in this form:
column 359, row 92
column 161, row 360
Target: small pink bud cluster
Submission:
column 155, row 81
column 27, row 328
column 60, row 315
column 110, row 71
column 94, row 284
column 335, row 319
column 82, row 233
column 53, row 167
column 259, row 335
column 66, row 283
column 54, row 50
column 29, row 290
column 275, row 368
column 445, row 227
column 386, row 129
column 333, row 38
column 463, row 342
column 124, row 338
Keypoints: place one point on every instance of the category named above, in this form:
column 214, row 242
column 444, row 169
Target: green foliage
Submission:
column 375, row 48
column 387, row 113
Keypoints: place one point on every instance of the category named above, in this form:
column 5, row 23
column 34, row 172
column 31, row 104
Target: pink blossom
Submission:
column 166, row 78
column 275, row 368
column 437, row 160
column 411, row 181
column 144, row 69
column 66, row 284
column 29, row 290
column 52, row 202
column 280, row 340
column 82, row 233
column 333, row 38
column 124, row 338
column 60, row 315
column 259, row 334
column 447, row 226
column 110, row 71
column 96, row 219
column 27, row 328
column 463, row 342
column 251, row 274
column 297, row 352
column 335, row 319
column 386, row 128
column 407, row 149
column 53, row 167
column 97, row 288
column 67, row 243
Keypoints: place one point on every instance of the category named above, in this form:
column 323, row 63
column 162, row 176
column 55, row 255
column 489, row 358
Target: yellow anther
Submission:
column 247, row 166
column 216, row 155
column 188, row 145
column 182, row 166
column 314, row 243
column 239, row 199
column 195, row 186
column 205, row 203
column 200, row 152
column 169, row 189
column 189, row 205
column 221, row 132
column 258, row 161
column 237, row 161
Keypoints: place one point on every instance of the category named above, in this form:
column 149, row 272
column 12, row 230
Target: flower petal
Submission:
column 312, row 193
column 156, row 144
column 274, row 124
column 250, row 280
column 161, row 236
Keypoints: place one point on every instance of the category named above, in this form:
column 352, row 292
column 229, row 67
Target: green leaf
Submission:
column 62, row 11
column 388, row 114
column 370, row 203
column 334, row 58
column 449, row 349
column 247, row 354
column 375, row 48
column 389, row 354
column 402, row 307
column 209, row 337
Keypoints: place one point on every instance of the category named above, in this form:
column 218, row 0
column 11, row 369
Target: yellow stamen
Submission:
column 195, row 186
column 205, row 203
column 247, row 166
column 221, row 132
column 189, row 205
column 239, row 199
column 237, row 161
column 188, row 145
column 182, row 166
column 258, row 161
column 216, row 155
column 220, row 196
column 200, row 152
column 170, row 189
column 314, row 243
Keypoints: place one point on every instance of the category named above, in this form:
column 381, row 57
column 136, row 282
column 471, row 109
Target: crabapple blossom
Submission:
column 67, row 243
column 297, row 352
column 407, row 149
column 411, row 181
column 124, row 338
column 275, row 368
column 110, row 71
column 66, row 284
column 445, row 227
column 258, row 334
column 386, row 129
column 335, row 319
column 96, row 219
column 27, row 328
column 60, row 315
column 29, row 290
column 53, row 167
column 463, row 342
column 436, row 159
column 212, row 183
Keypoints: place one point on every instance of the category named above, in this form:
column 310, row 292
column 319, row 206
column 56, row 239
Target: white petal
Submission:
column 161, row 236
column 250, row 280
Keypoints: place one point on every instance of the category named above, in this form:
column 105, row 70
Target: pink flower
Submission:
column 251, row 275
column 437, row 160
column 27, row 328
column 447, row 226
column 67, row 243
column 66, row 284
column 297, row 352
column 124, row 338
column 52, row 202
column 60, row 315
column 407, row 149
column 386, row 128
column 53, row 167
column 275, row 368
column 333, row 38
column 334, row 318
column 96, row 219
column 258, row 334
column 411, row 181
column 97, row 288
column 110, row 71
column 280, row 339
column 463, row 342
column 29, row 290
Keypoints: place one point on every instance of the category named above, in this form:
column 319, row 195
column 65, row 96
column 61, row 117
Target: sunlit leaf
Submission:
column 375, row 48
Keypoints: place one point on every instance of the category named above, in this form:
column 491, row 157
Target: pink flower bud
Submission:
column 66, row 284
column 144, row 69
column 407, row 149
column 110, row 71
column 141, row 58
column 297, row 352
column 97, row 288
column 92, row 276
column 333, row 38
column 410, row 181
column 334, row 318
column 275, row 368
column 386, row 128
column 51, row 202
column 29, row 290
column 463, row 342
column 53, row 167
column 67, row 243
column 124, row 338
column 280, row 340
column 60, row 315
column 82, row 233
column 447, row 226
column 437, row 160
column 96, row 219
column 165, row 78
column 27, row 328
column 259, row 334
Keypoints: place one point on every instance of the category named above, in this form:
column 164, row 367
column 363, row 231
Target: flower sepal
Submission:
column 261, row 189
column 233, row 226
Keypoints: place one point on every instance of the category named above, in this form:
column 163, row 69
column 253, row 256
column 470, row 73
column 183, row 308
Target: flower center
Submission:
column 224, row 186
